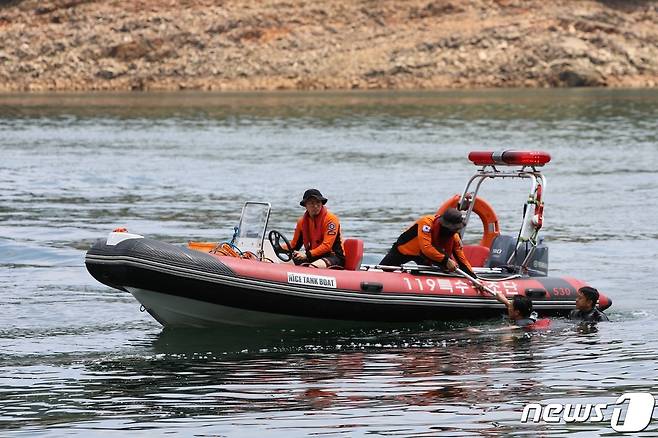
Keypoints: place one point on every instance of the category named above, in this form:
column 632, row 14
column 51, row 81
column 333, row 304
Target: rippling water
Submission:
column 79, row 359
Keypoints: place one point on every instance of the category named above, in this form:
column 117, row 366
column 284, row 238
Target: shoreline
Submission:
column 419, row 93
column 239, row 46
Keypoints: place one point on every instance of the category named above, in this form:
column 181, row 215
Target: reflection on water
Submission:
column 211, row 378
column 198, row 109
column 80, row 359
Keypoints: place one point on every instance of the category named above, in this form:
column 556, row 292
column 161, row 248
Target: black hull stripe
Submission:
column 96, row 262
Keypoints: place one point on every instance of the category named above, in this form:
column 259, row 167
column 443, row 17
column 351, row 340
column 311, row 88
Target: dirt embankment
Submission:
column 342, row 44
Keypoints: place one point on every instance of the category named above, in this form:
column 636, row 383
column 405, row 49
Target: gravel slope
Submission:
column 296, row 44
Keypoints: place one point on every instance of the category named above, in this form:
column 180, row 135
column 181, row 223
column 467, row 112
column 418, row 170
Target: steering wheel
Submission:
column 274, row 237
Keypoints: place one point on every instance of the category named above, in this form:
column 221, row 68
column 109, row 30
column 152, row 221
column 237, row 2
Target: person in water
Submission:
column 520, row 313
column 586, row 299
column 519, row 310
column 432, row 240
column 317, row 237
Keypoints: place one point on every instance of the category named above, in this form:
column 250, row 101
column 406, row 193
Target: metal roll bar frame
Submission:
column 535, row 197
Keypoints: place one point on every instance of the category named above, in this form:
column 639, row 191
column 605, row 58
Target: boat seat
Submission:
column 353, row 254
column 476, row 254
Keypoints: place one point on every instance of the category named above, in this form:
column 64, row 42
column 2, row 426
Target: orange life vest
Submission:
column 319, row 235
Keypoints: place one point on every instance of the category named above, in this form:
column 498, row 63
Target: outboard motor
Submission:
column 538, row 265
column 502, row 249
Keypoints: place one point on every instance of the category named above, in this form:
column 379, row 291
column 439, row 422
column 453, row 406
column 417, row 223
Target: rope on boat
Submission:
column 230, row 250
column 227, row 249
column 432, row 270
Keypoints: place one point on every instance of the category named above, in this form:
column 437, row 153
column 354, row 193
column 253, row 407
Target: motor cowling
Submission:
column 503, row 248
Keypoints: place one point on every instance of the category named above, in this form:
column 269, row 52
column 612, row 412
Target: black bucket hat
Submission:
column 452, row 219
column 312, row 193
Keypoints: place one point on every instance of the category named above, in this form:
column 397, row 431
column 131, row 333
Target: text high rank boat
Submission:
column 198, row 286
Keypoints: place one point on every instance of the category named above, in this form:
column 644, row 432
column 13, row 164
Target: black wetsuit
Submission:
column 594, row 315
column 526, row 322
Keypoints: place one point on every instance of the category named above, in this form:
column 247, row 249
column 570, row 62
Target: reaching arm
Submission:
column 508, row 304
column 425, row 241
column 462, row 261
column 296, row 242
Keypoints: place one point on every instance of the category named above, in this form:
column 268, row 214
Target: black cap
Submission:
column 312, row 193
column 452, row 220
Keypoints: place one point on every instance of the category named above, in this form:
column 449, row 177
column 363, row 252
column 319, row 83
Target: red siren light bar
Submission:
column 509, row 158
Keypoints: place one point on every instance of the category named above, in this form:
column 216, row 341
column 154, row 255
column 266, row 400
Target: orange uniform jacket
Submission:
column 417, row 241
column 331, row 243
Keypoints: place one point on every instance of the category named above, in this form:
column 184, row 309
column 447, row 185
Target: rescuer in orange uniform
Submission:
column 317, row 237
column 432, row 240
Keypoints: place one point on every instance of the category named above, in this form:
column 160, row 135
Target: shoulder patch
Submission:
column 426, row 229
column 331, row 226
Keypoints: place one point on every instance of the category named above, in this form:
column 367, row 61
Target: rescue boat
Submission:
column 251, row 281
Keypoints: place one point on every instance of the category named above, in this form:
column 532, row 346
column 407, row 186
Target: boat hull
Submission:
column 180, row 287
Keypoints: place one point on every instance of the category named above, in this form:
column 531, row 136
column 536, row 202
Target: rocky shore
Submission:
column 343, row 44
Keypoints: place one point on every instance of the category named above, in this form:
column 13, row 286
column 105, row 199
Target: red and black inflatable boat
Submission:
column 189, row 286
column 183, row 287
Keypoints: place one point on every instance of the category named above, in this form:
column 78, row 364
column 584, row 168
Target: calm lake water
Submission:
column 79, row 359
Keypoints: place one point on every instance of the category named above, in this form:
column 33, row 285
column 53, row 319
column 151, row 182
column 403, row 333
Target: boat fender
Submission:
column 371, row 287
column 486, row 213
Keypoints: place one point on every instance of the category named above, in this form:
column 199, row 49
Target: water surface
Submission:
column 80, row 359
